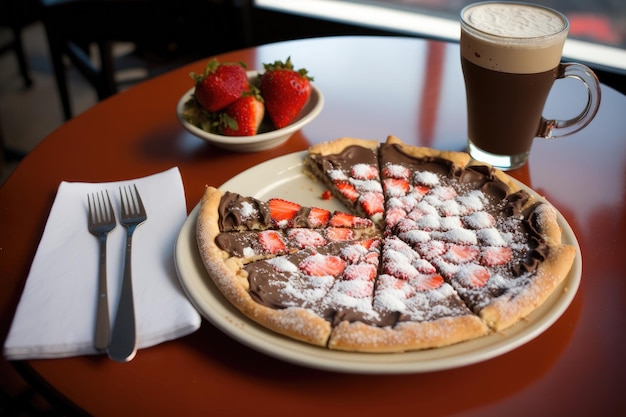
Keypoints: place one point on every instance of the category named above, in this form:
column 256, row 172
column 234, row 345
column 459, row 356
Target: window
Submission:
column 597, row 27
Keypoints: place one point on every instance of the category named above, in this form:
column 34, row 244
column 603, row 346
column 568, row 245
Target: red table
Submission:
column 373, row 86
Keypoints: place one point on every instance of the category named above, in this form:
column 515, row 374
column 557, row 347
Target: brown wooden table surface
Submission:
column 373, row 86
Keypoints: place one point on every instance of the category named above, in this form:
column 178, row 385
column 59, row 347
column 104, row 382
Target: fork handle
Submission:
column 123, row 338
column 101, row 339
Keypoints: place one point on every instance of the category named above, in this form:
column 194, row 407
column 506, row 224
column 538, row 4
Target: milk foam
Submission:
column 514, row 20
column 512, row 37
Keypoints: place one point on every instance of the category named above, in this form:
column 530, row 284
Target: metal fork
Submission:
column 101, row 222
column 123, row 338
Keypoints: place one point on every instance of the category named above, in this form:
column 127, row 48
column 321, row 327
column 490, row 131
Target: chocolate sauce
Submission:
column 237, row 212
column 350, row 156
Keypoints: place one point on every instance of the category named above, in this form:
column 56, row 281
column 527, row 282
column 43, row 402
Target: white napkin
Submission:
column 56, row 315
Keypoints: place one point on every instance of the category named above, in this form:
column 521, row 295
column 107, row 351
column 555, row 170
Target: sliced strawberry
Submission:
column 285, row 91
column 431, row 249
column 473, row 275
column 363, row 271
column 272, row 242
column 326, row 195
column 341, row 219
column 393, row 216
column 359, row 289
column 396, row 266
column 396, row 171
column 405, row 225
column 369, row 243
column 220, row 85
column 336, row 234
column 396, row 187
column 372, row 203
column 428, row 282
column 401, row 288
column 319, row 217
column 243, row 117
column 282, row 211
column 347, row 190
column 445, row 193
column 459, row 254
column 496, row 255
column 372, row 258
column 306, row 238
column 364, row 172
column 423, row 266
column 415, row 214
column 421, row 190
column 322, row 265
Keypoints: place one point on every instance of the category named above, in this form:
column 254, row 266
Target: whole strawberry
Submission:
column 244, row 116
column 285, row 91
column 219, row 85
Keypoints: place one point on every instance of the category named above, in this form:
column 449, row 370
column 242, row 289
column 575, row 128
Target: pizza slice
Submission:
column 496, row 245
column 516, row 267
column 335, row 281
column 415, row 307
column 349, row 168
column 299, row 278
column 235, row 212
column 250, row 246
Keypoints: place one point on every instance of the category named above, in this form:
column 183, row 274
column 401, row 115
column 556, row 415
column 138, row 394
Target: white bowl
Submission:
column 262, row 141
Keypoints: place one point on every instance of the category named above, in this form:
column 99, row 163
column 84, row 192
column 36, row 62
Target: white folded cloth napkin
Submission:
column 56, row 314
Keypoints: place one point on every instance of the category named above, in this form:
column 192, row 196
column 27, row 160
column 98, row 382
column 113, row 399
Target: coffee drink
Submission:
column 504, row 109
column 510, row 55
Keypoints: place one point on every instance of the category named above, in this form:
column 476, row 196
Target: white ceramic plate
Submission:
column 283, row 177
column 262, row 141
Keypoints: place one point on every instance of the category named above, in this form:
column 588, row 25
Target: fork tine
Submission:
column 110, row 211
column 90, row 205
column 131, row 201
column 142, row 210
column 100, row 207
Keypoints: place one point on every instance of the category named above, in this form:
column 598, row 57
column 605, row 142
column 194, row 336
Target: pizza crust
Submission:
column 505, row 311
column 460, row 159
column 338, row 145
column 406, row 336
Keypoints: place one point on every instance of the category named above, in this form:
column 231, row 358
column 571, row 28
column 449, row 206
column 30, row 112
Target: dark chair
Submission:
column 16, row 15
column 170, row 29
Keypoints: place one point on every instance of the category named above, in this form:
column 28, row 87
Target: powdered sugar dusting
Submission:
column 426, row 178
column 337, row 175
column 448, row 226
column 479, row 220
column 247, row 210
column 490, row 237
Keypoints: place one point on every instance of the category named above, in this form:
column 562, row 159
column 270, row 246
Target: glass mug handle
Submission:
column 558, row 128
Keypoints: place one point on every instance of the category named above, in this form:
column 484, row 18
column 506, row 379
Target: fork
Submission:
column 122, row 347
column 101, row 222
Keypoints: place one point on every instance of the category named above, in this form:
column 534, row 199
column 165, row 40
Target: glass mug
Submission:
column 511, row 56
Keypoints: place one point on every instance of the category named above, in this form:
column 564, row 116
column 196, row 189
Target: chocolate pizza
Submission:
column 432, row 249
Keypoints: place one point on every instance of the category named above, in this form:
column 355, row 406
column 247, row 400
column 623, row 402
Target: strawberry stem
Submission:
column 286, row 65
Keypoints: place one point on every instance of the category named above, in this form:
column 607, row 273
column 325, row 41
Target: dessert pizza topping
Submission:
column 239, row 213
column 458, row 251
column 332, row 275
column 353, row 175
